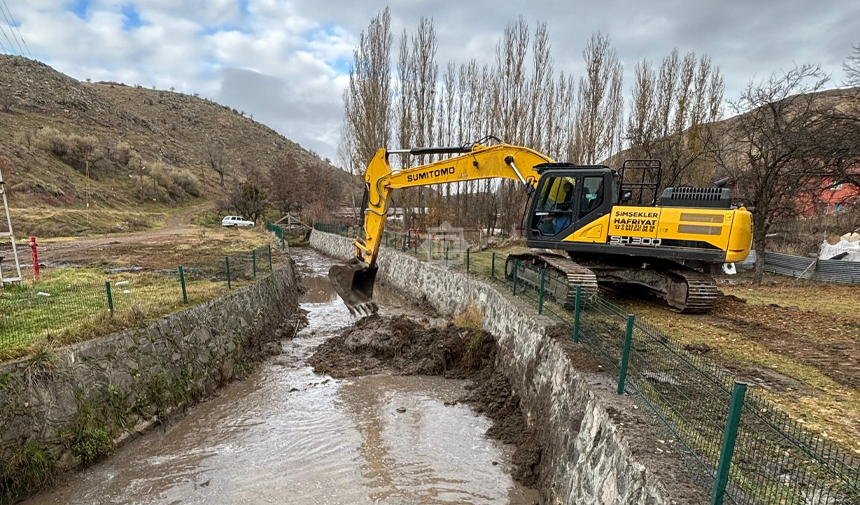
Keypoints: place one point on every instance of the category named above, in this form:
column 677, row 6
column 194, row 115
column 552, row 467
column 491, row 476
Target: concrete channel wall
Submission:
column 72, row 404
column 589, row 455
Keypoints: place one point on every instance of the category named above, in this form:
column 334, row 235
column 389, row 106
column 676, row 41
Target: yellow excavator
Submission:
column 591, row 224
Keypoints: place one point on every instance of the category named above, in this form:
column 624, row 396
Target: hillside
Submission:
column 148, row 156
column 841, row 99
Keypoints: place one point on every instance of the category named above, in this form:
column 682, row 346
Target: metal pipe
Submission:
column 510, row 161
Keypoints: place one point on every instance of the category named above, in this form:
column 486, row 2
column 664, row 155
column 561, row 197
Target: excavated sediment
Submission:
column 408, row 345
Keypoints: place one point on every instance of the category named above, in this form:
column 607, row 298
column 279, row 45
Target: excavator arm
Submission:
column 354, row 281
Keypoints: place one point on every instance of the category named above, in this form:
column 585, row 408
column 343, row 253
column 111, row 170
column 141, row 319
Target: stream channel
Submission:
column 286, row 435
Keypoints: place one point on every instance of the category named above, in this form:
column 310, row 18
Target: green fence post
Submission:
column 109, row 297
column 270, row 258
column 516, row 269
column 467, row 260
column 254, row 261
column 227, row 260
column 730, row 436
column 446, row 254
column 576, row 307
column 625, row 357
column 540, row 298
column 415, row 247
column 493, row 266
column 182, row 281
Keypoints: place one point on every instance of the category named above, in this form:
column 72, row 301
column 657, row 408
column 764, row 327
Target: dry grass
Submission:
column 470, row 318
column 77, row 307
column 796, row 342
column 821, row 297
column 801, row 355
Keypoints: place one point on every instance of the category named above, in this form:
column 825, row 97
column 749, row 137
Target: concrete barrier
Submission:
column 593, row 448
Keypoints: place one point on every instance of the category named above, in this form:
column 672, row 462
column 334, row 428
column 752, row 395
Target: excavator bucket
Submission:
column 354, row 282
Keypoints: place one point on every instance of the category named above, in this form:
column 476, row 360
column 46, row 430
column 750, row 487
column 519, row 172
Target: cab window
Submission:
column 554, row 209
column 592, row 195
column 557, row 194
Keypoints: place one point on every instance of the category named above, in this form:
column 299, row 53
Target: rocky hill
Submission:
column 106, row 157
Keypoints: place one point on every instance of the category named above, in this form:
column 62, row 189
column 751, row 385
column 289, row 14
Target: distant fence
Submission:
column 279, row 232
column 845, row 272
column 735, row 442
column 69, row 304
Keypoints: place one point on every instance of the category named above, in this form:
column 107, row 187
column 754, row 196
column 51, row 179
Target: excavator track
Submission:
column 683, row 289
column 576, row 275
column 698, row 295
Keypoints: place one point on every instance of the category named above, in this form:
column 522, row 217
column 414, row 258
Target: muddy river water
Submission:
column 287, row 435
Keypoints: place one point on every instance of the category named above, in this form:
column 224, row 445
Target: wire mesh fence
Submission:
column 279, row 233
column 754, row 455
column 70, row 304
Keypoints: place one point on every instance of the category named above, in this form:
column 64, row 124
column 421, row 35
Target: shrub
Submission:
column 159, row 172
column 92, row 444
column 147, row 190
column 187, row 181
column 53, row 142
column 24, row 470
column 166, row 184
column 25, row 138
column 121, row 153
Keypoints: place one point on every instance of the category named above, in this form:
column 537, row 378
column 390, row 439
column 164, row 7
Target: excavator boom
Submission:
column 354, row 281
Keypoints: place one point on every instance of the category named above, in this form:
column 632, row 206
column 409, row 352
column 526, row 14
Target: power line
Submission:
column 11, row 45
column 18, row 27
column 11, row 28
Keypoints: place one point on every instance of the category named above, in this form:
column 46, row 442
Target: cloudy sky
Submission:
column 286, row 61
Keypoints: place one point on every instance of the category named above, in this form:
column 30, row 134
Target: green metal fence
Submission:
column 70, row 304
column 736, row 443
column 279, row 232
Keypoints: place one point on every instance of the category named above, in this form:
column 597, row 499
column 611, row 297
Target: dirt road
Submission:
column 164, row 247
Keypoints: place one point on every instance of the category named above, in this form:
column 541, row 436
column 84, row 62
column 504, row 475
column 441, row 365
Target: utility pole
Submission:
column 8, row 233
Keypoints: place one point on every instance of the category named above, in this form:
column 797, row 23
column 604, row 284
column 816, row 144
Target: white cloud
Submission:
column 285, row 60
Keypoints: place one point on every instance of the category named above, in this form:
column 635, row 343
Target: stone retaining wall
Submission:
column 592, row 451
column 71, row 405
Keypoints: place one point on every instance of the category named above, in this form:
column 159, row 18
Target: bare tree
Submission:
column 83, row 149
column 248, row 200
column 367, row 99
column 769, row 149
column 540, row 89
column 671, row 111
column 599, row 103
column 851, row 66
column 215, row 156
column 424, row 74
column 509, row 96
column 326, row 191
column 286, row 183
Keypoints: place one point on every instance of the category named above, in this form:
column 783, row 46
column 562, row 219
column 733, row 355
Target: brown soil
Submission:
column 178, row 243
column 404, row 345
column 825, row 341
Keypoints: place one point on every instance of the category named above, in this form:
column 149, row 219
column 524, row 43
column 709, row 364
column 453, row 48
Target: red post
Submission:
column 33, row 246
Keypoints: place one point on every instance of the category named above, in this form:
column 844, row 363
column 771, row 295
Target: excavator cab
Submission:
column 568, row 197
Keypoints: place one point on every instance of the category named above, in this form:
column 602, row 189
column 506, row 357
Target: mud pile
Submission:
column 411, row 346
